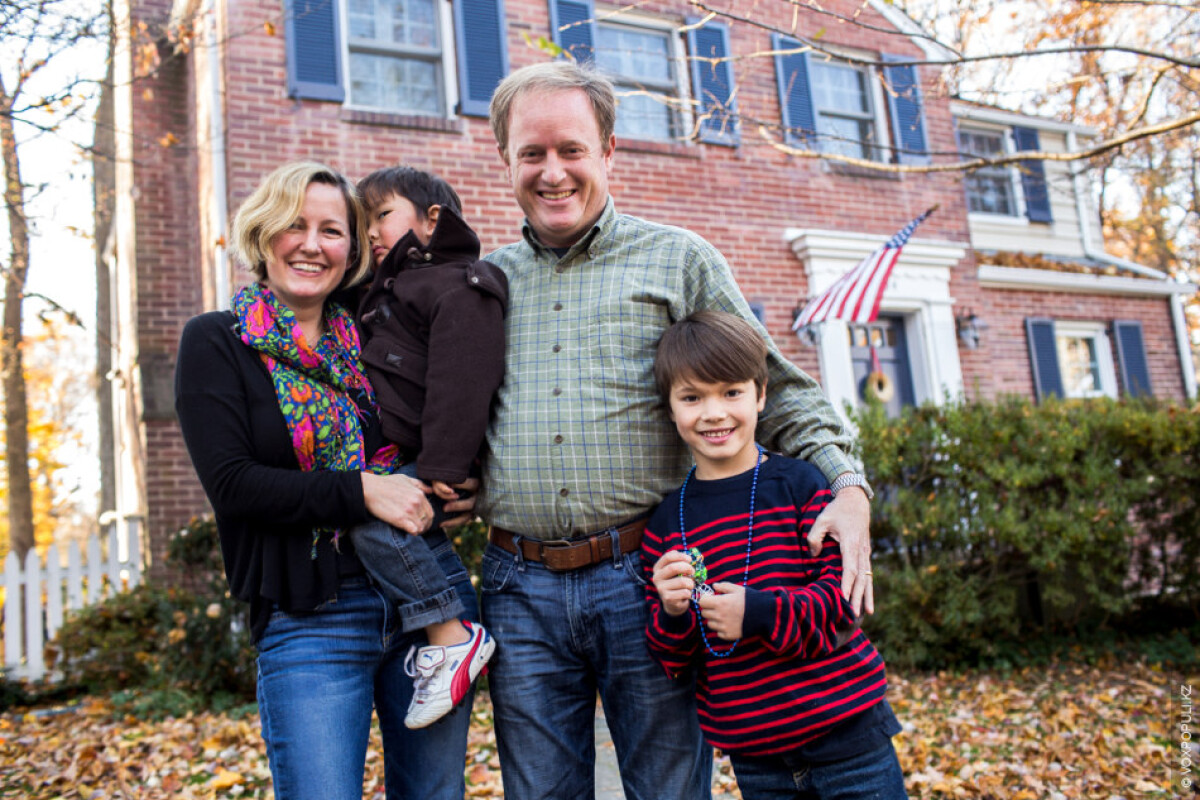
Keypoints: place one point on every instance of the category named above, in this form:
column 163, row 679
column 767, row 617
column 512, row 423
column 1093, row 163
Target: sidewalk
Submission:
column 608, row 776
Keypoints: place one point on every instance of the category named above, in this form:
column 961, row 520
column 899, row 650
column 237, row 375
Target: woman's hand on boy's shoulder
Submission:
column 847, row 519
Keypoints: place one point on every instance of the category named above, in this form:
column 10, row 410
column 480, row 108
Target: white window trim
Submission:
column 1097, row 332
column 677, row 57
column 449, row 64
column 879, row 105
column 919, row 290
column 1020, row 215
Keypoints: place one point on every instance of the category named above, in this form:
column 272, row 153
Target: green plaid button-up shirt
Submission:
column 579, row 440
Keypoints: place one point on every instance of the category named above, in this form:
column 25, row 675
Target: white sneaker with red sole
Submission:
column 443, row 676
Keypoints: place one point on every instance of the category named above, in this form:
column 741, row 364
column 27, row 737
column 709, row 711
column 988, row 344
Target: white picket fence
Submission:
column 36, row 597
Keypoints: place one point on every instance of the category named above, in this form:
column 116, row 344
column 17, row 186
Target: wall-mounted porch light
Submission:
column 970, row 329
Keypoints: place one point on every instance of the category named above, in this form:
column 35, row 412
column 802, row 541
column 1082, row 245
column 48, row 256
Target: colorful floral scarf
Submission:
column 316, row 386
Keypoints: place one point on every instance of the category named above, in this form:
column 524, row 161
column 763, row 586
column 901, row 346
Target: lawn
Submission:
column 1069, row 730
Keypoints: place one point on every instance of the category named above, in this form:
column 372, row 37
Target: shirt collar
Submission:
column 602, row 228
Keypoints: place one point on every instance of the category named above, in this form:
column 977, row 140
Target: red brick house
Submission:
column 1010, row 265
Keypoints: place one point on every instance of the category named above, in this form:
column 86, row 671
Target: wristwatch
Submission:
column 851, row 479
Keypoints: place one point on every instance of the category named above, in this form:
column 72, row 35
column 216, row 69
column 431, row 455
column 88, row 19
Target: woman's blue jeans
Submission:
column 319, row 676
column 561, row 637
column 874, row 775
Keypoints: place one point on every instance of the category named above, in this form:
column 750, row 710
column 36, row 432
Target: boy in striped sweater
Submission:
column 787, row 684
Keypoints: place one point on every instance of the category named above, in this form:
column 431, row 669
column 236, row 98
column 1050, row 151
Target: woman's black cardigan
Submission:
column 265, row 506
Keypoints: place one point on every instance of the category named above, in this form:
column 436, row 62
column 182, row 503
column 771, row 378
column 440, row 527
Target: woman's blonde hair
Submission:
column 276, row 204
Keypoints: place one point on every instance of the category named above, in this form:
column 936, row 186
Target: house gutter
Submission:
column 1178, row 321
column 220, row 201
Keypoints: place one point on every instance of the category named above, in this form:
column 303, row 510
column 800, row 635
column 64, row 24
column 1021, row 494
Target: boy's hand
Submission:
column 674, row 580
column 444, row 490
column 461, row 503
column 725, row 610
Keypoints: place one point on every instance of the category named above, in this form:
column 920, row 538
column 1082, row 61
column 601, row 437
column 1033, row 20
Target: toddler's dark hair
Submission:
column 422, row 189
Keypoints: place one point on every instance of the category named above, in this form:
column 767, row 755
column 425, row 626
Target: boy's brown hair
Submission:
column 713, row 347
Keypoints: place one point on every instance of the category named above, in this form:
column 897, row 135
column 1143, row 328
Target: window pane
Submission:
column 1080, row 366
column 990, row 193
column 634, row 53
column 839, row 88
column 642, row 117
column 412, row 22
column 848, row 137
column 989, row 190
column 981, row 143
column 399, row 84
column 362, row 19
column 639, row 62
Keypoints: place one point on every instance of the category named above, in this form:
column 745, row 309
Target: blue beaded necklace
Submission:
column 749, row 541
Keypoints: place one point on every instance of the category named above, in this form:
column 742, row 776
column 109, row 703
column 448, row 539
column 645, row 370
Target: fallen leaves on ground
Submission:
column 1066, row 731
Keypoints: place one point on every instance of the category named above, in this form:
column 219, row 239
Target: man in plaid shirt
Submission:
column 580, row 451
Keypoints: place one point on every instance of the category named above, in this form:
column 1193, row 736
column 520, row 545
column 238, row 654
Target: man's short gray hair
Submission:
column 553, row 76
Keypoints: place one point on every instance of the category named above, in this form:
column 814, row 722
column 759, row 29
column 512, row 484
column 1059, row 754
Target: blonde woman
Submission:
column 283, row 430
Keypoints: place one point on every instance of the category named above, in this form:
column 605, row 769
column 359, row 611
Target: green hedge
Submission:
column 997, row 522
column 168, row 649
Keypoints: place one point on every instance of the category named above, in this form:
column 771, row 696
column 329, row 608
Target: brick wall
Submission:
column 168, row 280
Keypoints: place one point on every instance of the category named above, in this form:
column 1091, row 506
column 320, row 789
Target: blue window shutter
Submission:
column 1043, row 355
column 908, row 113
column 1033, row 177
column 314, row 50
column 795, row 93
column 712, row 83
column 479, row 32
column 1131, row 352
column 572, row 23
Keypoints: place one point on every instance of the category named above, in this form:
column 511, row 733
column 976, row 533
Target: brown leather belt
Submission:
column 564, row 555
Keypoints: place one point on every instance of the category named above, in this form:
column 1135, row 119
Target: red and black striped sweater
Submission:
column 801, row 667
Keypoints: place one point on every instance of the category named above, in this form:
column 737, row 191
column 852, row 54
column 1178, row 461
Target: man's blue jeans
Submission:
column 320, row 674
column 870, row 776
column 561, row 637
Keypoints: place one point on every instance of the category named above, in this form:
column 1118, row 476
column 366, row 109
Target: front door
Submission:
column 886, row 336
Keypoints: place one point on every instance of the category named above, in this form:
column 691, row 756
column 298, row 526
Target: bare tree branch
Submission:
column 813, row 44
column 1106, row 146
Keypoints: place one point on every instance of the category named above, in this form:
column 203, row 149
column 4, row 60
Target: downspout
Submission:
column 1178, row 322
column 220, row 201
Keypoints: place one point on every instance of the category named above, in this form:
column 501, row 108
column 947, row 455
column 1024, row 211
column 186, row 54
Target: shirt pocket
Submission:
column 624, row 334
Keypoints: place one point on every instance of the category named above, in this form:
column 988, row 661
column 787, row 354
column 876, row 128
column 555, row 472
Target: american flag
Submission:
column 855, row 296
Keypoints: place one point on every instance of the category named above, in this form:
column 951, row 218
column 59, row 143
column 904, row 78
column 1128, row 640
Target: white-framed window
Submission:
column 1085, row 359
column 850, row 103
column 990, row 190
column 399, row 56
column 641, row 56
column 844, row 108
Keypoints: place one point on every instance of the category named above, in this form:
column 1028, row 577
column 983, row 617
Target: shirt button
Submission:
column 560, row 269
column 558, row 306
column 563, row 492
column 556, row 348
column 556, row 391
column 558, row 439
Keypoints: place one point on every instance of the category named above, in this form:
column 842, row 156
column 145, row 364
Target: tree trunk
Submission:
column 12, row 366
column 104, row 184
